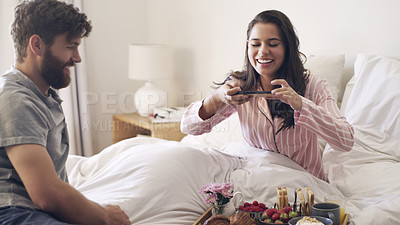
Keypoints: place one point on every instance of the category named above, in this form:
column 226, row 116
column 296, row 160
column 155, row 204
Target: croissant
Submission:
column 217, row 220
column 242, row 218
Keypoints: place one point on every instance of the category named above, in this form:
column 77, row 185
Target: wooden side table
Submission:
column 131, row 124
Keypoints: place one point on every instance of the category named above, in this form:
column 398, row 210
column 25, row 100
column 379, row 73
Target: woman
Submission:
column 300, row 109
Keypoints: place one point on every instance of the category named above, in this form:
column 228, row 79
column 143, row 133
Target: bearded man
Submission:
column 34, row 142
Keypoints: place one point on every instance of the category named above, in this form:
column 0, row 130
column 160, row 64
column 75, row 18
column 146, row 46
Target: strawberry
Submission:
column 287, row 209
column 276, row 216
column 293, row 214
column 284, row 217
column 268, row 221
column 278, row 222
column 264, row 215
column 255, row 203
column 270, row 212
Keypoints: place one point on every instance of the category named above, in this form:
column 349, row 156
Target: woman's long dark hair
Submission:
column 292, row 69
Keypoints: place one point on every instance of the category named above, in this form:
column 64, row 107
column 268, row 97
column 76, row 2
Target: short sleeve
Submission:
column 22, row 121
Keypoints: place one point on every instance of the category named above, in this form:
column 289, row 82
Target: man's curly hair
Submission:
column 48, row 19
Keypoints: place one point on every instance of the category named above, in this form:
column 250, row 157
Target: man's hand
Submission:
column 116, row 216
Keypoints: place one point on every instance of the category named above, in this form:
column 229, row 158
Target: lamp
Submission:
column 150, row 62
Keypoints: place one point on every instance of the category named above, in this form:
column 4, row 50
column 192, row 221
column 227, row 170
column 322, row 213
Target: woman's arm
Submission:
column 200, row 117
column 322, row 116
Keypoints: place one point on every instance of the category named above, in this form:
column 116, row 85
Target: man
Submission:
column 33, row 137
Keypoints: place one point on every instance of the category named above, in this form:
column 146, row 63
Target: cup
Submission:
column 342, row 203
column 328, row 210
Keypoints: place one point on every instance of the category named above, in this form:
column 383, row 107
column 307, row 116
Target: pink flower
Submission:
column 217, row 193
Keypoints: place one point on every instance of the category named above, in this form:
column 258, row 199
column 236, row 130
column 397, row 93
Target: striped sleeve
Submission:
column 191, row 122
column 322, row 117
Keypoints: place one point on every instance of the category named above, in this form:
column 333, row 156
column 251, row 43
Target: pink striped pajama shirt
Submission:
column 318, row 117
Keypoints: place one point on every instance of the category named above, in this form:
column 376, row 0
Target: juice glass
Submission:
column 342, row 203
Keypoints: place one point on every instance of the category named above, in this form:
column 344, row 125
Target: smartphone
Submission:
column 256, row 93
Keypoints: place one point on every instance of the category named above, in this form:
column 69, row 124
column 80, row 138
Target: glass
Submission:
column 218, row 209
column 342, row 203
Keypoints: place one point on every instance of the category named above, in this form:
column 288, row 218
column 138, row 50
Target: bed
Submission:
column 157, row 181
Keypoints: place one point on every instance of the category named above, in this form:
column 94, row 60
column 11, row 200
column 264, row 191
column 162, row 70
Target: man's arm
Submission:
column 33, row 164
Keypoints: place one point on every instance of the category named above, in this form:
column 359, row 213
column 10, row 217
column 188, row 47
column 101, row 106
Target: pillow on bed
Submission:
column 330, row 67
column 374, row 102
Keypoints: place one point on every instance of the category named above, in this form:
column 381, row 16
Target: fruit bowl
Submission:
column 274, row 216
column 260, row 222
column 254, row 209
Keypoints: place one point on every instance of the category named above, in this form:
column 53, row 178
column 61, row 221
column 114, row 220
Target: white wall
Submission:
column 115, row 24
column 6, row 47
column 208, row 38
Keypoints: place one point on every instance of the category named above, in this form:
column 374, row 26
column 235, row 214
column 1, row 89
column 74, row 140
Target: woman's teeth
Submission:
column 264, row 60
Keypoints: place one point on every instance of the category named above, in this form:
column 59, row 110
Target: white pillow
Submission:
column 374, row 102
column 330, row 67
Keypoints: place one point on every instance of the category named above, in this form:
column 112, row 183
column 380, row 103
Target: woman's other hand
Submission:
column 286, row 94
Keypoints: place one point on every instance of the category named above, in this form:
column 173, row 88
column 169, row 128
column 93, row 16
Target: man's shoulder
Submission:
column 13, row 86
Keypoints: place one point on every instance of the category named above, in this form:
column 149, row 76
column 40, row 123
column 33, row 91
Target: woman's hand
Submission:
column 228, row 91
column 224, row 95
column 287, row 95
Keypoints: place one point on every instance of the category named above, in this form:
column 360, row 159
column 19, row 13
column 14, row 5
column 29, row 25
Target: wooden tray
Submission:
column 207, row 214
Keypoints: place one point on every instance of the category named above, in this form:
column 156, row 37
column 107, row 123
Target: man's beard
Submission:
column 53, row 71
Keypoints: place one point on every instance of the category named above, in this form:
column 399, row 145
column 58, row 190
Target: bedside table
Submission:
column 131, row 124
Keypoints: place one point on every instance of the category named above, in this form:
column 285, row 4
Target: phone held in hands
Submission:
column 256, row 93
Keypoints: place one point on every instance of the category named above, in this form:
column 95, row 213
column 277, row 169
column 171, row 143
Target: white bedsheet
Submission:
column 158, row 182
column 370, row 181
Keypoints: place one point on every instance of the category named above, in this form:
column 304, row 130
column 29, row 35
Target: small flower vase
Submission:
column 221, row 210
column 229, row 208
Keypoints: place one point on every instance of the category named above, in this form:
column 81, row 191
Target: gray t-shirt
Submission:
column 28, row 117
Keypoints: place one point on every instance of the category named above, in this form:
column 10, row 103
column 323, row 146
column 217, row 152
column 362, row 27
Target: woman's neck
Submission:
column 265, row 82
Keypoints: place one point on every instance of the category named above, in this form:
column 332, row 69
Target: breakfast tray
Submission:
column 207, row 214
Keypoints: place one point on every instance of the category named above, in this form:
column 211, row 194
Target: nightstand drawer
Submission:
column 131, row 124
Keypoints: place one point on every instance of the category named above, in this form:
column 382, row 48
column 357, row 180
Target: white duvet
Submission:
column 158, row 182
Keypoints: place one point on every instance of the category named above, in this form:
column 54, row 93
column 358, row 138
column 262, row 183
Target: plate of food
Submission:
column 310, row 220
